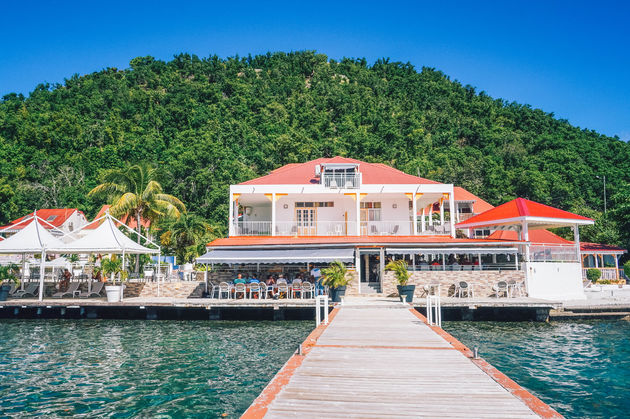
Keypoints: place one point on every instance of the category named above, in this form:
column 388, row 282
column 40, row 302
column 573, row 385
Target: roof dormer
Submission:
column 339, row 175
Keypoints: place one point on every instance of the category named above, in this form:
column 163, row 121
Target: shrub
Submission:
column 626, row 268
column 399, row 267
column 335, row 275
column 593, row 274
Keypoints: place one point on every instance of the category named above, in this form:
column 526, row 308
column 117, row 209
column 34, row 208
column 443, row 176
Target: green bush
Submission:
column 593, row 274
column 626, row 268
column 335, row 275
column 400, row 271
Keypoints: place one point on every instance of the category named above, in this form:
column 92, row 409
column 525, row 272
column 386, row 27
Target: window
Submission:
column 370, row 205
column 482, row 233
column 370, row 211
column 314, row 204
column 51, row 218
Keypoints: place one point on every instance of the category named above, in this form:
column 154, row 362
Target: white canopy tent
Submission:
column 107, row 238
column 34, row 238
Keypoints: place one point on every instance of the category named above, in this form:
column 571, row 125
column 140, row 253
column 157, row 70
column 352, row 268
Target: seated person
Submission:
column 239, row 279
column 270, row 282
column 436, row 263
column 422, row 261
column 254, row 279
column 65, row 281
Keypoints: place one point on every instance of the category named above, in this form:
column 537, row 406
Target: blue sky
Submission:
column 569, row 58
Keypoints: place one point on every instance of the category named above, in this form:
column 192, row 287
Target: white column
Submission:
column 357, row 265
column 451, row 205
column 273, row 214
column 231, row 216
column 441, row 212
column 525, row 237
column 616, row 266
column 576, row 237
column 42, row 272
column 431, row 215
column 596, row 260
column 479, row 258
column 415, row 214
column 358, row 213
column 424, row 221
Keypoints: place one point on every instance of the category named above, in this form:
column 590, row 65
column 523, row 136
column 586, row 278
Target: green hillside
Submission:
column 211, row 122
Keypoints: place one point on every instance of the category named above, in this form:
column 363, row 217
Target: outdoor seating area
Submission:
column 465, row 289
column 272, row 288
column 75, row 289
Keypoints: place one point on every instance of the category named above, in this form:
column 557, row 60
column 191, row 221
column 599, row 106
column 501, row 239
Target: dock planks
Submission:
column 381, row 362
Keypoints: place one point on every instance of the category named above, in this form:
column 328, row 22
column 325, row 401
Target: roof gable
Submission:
column 304, row 173
column 55, row 216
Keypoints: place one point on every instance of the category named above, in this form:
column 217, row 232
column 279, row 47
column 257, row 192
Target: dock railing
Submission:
column 321, row 301
column 434, row 310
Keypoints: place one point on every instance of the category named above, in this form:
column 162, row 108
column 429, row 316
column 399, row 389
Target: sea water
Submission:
column 123, row 369
column 580, row 368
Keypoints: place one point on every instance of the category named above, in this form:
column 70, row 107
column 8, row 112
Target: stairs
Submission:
column 370, row 287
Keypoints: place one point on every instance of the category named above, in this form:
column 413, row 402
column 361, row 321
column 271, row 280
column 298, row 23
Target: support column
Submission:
column 358, row 213
column 415, row 214
column 576, row 237
column 431, row 215
column 451, row 205
column 357, row 266
column 441, row 212
column 231, row 231
column 525, row 237
column 616, row 266
column 424, row 221
column 381, row 273
column 273, row 214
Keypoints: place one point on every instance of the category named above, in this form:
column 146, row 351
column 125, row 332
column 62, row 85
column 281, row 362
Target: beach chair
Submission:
column 31, row 290
column 72, row 289
column 501, row 287
column 148, row 275
column 95, row 290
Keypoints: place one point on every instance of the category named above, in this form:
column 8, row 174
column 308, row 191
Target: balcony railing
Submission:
column 550, row 253
column 335, row 228
column 341, row 180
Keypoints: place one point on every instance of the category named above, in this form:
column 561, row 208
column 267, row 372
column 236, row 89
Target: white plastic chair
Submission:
column 283, row 288
column 307, row 288
column 224, row 288
column 296, row 287
column 240, row 288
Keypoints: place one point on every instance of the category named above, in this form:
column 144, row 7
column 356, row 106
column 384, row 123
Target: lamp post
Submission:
column 604, row 179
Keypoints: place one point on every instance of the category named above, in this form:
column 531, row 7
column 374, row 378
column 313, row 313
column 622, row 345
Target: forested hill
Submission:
column 212, row 122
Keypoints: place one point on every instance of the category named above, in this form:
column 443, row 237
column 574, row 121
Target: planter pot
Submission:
column 114, row 293
column 406, row 291
column 337, row 293
column 4, row 292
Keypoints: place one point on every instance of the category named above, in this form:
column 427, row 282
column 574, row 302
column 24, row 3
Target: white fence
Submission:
column 434, row 310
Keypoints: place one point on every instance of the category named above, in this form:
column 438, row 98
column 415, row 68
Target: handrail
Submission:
column 434, row 305
column 321, row 301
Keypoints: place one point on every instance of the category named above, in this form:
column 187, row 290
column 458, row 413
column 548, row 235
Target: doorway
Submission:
column 305, row 221
column 371, row 271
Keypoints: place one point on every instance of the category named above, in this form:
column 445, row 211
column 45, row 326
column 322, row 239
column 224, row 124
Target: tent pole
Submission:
column 23, row 271
column 158, row 272
column 41, row 275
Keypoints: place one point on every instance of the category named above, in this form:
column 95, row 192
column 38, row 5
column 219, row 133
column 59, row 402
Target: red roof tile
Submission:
column 54, row 216
column 598, row 247
column 129, row 221
column 479, row 205
column 304, row 173
column 359, row 240
column 519, row 208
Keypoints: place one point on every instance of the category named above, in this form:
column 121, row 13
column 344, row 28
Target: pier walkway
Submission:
column 381, row 359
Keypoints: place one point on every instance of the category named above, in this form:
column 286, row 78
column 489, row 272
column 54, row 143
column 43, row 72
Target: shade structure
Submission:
column 107, row 238
column 451, row 250
column 237, row 256
column 33, row 238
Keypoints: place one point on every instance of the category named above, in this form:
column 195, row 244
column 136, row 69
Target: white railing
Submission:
column 607, row 273
column 341, row 180
column 435, row 229
column 434, row 310
column 321, row 301
column 558, row 253
column 252, row 228
column 386, row 228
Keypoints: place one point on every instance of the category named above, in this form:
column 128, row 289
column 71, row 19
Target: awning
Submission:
column 448, row 250
column 234, row 256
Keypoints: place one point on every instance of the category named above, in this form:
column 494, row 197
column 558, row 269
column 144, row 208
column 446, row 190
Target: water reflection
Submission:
column 582, row 369
column 129, row 368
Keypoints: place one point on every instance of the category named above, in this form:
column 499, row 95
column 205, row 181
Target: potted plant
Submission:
column 111, row 267
column 334, row 276
column 8, row 278
column 399, row 267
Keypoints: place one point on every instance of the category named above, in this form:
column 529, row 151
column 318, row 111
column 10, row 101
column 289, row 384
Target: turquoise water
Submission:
column 581, row 368
column 123, row 369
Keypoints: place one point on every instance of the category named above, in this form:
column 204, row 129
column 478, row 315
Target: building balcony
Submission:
column 336, row 228
column 341, row 180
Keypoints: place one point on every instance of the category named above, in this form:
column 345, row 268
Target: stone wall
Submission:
column 353, row 286
column 481, row 281
column 180, row 289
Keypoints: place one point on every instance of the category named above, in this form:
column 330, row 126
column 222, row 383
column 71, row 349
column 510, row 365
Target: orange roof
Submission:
column 304, row 173
column 520, row 208
column 535, row 236
column 351, row 240
column 129, row 221
column 547, row 237
column 598, row 247
column 479, row 205
column 54, row 216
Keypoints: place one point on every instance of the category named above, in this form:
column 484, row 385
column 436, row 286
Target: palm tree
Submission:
column 135, row 192
column 185, row 234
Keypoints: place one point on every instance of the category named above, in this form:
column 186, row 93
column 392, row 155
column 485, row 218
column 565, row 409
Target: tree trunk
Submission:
column 139, row 227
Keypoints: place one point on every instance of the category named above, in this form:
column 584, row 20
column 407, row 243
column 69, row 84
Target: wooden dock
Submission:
column 382, row 360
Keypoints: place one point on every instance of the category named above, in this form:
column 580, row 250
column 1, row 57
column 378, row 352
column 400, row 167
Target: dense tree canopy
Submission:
column 208, row 123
